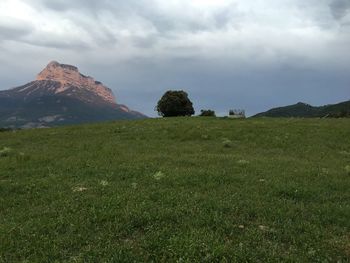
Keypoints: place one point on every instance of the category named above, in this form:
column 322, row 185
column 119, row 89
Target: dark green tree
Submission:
column 207, row 113
column 175, row 103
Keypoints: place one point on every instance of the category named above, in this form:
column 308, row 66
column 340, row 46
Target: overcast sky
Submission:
column 249, row 54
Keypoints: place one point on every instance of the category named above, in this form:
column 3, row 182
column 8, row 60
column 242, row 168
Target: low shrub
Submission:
column 6, row 151
column 227, row 143
column 5, row 129
column 159, row 175
column 207, row 113
column 347, row 169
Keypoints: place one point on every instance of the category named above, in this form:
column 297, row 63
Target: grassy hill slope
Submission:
column 185, row 190
column 303, row 110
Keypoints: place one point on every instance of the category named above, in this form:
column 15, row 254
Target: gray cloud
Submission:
column 247, row 54
column 339, row 8
column 12, row 29
column 64, row 5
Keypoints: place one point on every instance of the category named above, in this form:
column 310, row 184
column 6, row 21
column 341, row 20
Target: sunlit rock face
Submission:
column 71, row 81
column 60, row 95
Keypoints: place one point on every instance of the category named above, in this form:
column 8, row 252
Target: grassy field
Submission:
column 177, row 190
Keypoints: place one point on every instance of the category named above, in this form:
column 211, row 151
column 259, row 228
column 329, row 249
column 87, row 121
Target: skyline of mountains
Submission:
column 304, row 110
column 60, row 95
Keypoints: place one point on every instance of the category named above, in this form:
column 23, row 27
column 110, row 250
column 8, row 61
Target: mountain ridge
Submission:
column 73, row 97
column 304, row 110
column 69, row 76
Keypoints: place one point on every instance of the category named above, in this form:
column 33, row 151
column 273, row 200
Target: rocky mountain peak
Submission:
column 60, row 72
column 60, row 95
column 69, row 76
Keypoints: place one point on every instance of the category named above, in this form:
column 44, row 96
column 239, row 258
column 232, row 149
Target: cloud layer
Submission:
column 251, row 54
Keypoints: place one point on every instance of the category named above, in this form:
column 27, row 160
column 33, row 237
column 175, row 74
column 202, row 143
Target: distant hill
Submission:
column 303, row 110
column 60, row 95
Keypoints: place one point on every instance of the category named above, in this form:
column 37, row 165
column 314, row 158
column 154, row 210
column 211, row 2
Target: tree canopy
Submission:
column 175, row 103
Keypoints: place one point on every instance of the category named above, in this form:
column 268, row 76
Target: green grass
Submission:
column 177, row 190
